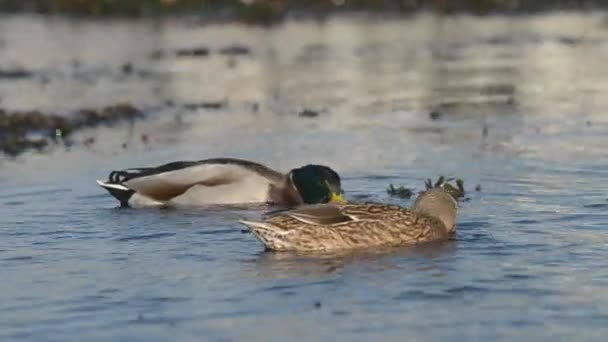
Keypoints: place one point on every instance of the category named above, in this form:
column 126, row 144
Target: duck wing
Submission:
column 317, row 214
column 170, row 180
column 328, row 227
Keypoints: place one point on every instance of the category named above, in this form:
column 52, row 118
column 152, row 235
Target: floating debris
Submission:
column 308, row 113
column 88, row 142
column 499, row 40
column 569, row 40
column 435, row 115
column 400, row 192
column 15, row 73
column 205, row 105
column 127, row 68
column 478, row 188
column 193, row 52
column 235, row 50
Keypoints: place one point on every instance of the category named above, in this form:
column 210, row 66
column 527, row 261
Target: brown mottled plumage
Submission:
column 327, row 227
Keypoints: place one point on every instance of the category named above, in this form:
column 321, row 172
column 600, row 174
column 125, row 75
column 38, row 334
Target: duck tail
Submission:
column 269, row 235
column 119, row 191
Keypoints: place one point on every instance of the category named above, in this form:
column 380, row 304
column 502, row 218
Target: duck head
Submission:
column 438, row 203
column 317, row 184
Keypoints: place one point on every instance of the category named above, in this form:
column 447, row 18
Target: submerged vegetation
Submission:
column 400, row 192
column 457, row 191
column 269, row 11
column 35, row 130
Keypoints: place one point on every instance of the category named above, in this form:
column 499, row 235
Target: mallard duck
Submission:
column 330, row 227
column 222, row 181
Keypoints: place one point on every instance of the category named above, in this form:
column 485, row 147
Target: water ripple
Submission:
column 19, row 258
column 529, row 257
column 525, row 221
column 145, row 237
column 596, row 206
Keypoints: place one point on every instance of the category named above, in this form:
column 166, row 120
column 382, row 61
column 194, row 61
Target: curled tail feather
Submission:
column 119, row 191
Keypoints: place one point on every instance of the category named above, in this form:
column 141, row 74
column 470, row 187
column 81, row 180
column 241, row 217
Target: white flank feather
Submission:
column 112, row 186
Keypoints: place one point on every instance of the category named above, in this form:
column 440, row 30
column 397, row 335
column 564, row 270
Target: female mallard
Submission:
column 222, row 181
column 327, row 227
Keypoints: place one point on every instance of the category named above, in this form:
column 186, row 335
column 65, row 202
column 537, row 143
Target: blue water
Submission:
column 529, row 258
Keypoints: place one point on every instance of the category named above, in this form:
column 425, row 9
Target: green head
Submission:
column 317, row 184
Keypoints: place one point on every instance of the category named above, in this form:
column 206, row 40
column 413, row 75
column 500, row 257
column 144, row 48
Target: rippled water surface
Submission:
column 518, row 106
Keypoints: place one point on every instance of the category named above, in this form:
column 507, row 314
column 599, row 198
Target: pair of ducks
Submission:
column 321, row 221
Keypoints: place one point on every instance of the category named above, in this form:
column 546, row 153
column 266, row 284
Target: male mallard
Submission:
column 222, row 181
column 327, row 227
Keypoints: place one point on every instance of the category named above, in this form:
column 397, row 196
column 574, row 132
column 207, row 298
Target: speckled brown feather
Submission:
column 357, row 226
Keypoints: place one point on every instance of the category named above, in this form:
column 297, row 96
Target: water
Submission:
column 522, row 103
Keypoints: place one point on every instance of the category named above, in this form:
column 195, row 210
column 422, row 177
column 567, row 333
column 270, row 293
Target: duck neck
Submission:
column 290, row 192
column 285, row 192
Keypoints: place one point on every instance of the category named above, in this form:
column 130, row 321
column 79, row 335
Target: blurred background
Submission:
column 265, row 11
column 510, row 96
column 69, row 65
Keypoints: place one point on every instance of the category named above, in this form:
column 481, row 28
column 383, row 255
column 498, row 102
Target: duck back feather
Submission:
column 210, row 181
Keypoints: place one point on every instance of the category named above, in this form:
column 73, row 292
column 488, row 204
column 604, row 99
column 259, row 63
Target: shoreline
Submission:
column 274, row 12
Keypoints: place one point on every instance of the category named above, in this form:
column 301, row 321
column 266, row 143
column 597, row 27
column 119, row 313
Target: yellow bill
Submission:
column 336, row 197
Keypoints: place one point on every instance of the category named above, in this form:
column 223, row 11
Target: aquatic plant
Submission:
column 400, row 192
column 22, row 131
column 456, row 191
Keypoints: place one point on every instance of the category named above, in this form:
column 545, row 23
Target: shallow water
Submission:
column 521, row 105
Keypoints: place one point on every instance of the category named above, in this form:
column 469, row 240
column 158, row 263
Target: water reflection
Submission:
column 514, row 104
column 367, row 78
column 283, row 265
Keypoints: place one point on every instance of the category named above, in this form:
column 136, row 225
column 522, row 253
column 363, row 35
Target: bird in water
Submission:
column 333, row 227
column 222, row 181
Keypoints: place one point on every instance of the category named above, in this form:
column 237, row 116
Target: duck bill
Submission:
column 336, row 197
